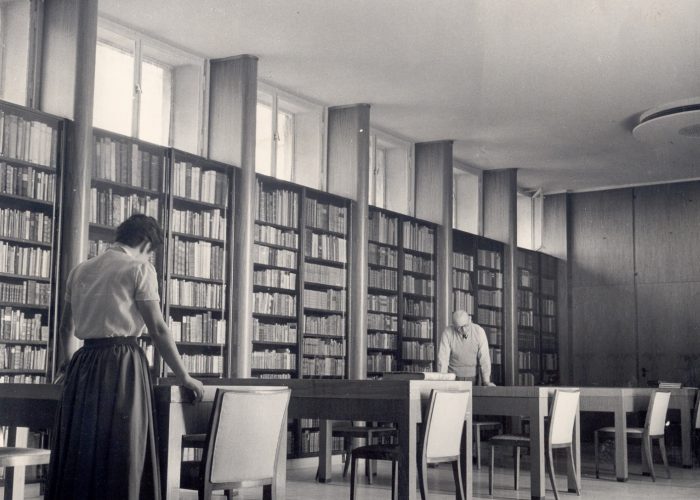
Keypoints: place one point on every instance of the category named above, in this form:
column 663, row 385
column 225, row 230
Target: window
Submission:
column 135, row 89
column 15, row 50
column 289, row 138
column 391, row 163
column 466, row 188
column 530, row 220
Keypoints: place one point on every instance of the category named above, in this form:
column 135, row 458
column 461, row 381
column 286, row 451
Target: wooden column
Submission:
column 233, row 99
column 434, row 203
column 67, row 90
column 500, row 223
column 348, row 176
column 554, row 243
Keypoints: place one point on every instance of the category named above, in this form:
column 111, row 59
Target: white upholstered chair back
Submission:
column 563, row 416
column 245, row 440
column 445, row 422
column 656, row 414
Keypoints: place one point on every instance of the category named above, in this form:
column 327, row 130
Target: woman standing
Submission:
column 104, row 441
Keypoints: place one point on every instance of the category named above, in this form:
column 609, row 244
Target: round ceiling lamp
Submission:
column 673, row 123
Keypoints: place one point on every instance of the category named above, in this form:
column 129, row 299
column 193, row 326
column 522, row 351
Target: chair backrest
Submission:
column 244, row 435
column 655, row 423
column 563, row 416
column 444, row 423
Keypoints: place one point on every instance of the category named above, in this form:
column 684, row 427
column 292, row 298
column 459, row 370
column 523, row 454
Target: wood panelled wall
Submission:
column 635, row 285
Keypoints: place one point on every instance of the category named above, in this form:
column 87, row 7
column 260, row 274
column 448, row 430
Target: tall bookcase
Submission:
column 463, row 272
column 128, row 176
column 383, row 352
column 417, row 295
column 30, row 199
column 489, row 300
column 549, row 309
column 199, row 214
column 528, row 276
column 276, row 283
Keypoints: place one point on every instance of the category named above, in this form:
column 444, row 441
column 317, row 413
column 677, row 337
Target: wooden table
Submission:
column 23, row 407
column 399, row 401
column 532, row 402
column 622, row 400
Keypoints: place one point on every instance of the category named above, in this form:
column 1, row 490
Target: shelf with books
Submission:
column 31, row 161
column 463, row 277
column 277, row 285
column 198, row 229
column 325, row 282
column 548, row 328
column 383, row 292
column 417, row 295
column 488, row 271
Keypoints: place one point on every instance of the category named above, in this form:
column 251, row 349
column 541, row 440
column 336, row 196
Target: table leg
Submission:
column 172, row 428
column 467, row 466
column 325, row 452
column 621, row 468
column 537, row 412
column 406, row 428
column 15, row 476
column 574, row 469
column 686, row 433
column 280, row 487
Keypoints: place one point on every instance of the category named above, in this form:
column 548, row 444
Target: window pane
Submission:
column 154, row 110
column 14, row 51
column 114, row 80
column 467, row 211
column 372, row 171
column 380, row 177
column 524, row 205
column 263, row 139
column 285, row 145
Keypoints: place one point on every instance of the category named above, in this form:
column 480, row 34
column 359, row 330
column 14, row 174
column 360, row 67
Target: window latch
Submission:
column 138, row 90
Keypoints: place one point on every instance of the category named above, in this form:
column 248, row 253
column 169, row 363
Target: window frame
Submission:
column 382, row 139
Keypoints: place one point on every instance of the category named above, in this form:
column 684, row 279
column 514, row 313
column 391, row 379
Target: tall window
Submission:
column 135, row 82
column 15, row 47
column 530, row 220
column 467, row 198
column 391, row 164
column 289, row 138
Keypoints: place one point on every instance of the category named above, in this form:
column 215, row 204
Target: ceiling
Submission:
column 550, row 87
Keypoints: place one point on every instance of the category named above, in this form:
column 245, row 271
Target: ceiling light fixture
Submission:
column 670, row 123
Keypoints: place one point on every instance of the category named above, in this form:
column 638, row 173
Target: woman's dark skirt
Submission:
column 104, row 442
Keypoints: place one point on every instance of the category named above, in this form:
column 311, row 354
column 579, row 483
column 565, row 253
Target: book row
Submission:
column 195, row 183
column 382, row 322
column 27, row 182
column 489, row 258
column 207, row 364
column 489, row 317
column 110, row 209
column 323, row 347
column 494, row 335
column 275, row 278
column 383, row 229
column 28, row 140
column 190, row 294
column 383, row 278
column 198, row 328
column 496, row 355
column 418, row 237
column 461, row 280
column 463, row 261
column 279, row 304
column 326, row 275
column 310, row 442
column 548, row 307
column 16, row 357
column 421, row 351
column 382, row 303
column 526, row 279
column 421, row 286
column 331, row 326
column 418, row 308
column 25, row 225
column 199, row 259
column 526, row 379
column 26, row 292
column 274, row 332
column 328, row 300
column 282, row 359
column 526, row 299
column 381, row 363
column 274, row 257
column 527, row 360
column 277, row 206
column 25, row 261
column 493, row 298
column 328, row 367
column 489, row 278
column 422, row 329
column 326, row 216
column 527, row 341
column 204, row 224
column 382, row 340
column 382, row 256
column 275, row 236
column 17, row 325
column 126, row 163
column 326, row 246
column 417, row 264
column 525, row 318
column 463, row 300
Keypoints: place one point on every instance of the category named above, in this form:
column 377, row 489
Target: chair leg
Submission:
column 205, row 491
column 352, row 476
column 491, row 472
column 477, row 441
column 348, row 455
column 662, row 445
column 459, row 484
column 550, row 469
column 394, row 476
column 646, row 446
column 516, row 467
column 267, row 492
column 230, row 494
column 423, row 479
column 573, row 466
column 595, row 448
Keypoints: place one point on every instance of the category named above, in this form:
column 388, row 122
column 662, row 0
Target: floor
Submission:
column 684, row 485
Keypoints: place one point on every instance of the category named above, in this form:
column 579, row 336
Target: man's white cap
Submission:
column 460, row 318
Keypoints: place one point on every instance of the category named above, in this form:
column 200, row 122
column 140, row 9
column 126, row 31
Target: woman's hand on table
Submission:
column 195, row 386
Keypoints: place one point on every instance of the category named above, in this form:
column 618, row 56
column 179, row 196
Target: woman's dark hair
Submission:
column 139, row 228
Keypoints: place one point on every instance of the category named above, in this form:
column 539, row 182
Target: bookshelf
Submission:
column 277, row 288
column 528, row 297
column 549, row 309
column 128, row 177
column 417, row 295
column 30, row 198
column 463, row 271
column 489, row 300
column 325, row 280
column 383, row 352
column 199, row 214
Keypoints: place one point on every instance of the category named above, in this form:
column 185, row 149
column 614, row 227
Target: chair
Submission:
column 654, row 427
column 20, row 457
column 440, row 442
column 561, row 428
column 241, row 445
column 486, row 425
column 368, row 433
